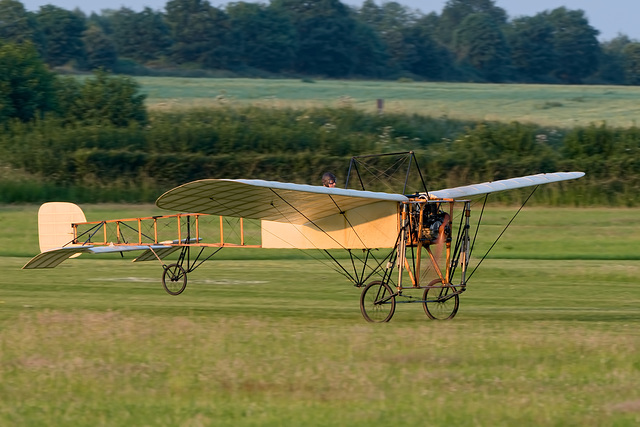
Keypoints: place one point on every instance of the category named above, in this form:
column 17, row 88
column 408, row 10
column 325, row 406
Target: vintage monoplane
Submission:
column 395, row 243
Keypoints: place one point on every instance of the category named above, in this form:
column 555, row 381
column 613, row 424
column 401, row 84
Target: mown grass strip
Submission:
column 273, row 342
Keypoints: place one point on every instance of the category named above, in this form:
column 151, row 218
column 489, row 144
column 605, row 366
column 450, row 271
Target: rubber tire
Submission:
column 177, row 279
column 440, row 310
column 377, row 313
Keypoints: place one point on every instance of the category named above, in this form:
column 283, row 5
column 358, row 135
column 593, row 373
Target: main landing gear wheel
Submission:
column 377, row 302
column 174, row 279
column 440, row 303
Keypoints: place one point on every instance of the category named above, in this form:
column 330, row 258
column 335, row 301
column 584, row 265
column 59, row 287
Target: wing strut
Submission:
column 503, row 231
column 359, row 279
column 342, row 270
column 95, row 230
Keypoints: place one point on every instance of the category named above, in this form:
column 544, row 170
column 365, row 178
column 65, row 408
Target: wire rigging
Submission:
column 503, row 231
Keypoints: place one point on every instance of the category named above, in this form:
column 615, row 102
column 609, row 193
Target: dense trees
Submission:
column 26, row 86
column 28, row 90
column 16, row 25
column 325, row 30
column 62, row 31
column 480, row 43
column 575, row 45
column 99, row 48
column 531, row 43
column 470, row 40
column 199, row 33
column 142, row 36
column 262, row 37
column 631, row 54
column 456, row 11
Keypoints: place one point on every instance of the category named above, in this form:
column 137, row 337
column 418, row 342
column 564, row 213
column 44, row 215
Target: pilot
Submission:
column 329, row 180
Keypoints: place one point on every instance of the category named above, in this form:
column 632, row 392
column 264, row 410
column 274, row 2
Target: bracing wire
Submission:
column 484, row 204
column 503, row 231
column 352, row 256
column 382, row 175
column 386, row 174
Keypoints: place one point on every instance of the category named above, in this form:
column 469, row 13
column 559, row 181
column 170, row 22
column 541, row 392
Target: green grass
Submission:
column 282, row 342
column 249, row 343
column 549, row 105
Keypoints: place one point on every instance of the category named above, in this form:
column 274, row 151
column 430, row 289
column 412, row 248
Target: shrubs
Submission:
column 29, row 91
column 104, row 162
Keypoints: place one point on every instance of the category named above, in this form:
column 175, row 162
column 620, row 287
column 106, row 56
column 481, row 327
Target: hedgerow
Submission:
column 50, row 158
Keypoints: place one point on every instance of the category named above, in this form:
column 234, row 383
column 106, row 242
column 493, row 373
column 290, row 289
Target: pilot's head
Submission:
column 329, row 179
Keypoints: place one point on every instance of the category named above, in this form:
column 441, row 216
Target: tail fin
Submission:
column 54, row 224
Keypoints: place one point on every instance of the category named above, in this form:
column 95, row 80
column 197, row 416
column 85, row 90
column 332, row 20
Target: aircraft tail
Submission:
column 54, row 224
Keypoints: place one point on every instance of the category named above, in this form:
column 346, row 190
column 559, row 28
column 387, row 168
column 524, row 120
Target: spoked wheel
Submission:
column 440, row 303
column 174, row 279
column 377, row 302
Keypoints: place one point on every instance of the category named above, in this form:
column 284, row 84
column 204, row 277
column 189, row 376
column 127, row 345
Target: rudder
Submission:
column 54, row 224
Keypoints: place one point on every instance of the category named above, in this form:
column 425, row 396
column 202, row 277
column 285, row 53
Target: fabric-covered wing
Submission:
column 505, row 184
column 267, row 200
column 54, row 257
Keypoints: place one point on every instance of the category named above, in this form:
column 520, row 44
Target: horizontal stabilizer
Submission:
column 505, row 184
column 55, row 257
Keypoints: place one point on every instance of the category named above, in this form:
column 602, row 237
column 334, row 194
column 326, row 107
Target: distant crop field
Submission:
column 549, row 105
column 546, row 334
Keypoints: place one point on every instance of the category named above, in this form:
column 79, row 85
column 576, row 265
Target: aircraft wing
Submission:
column 268, row 200
column 505, row 184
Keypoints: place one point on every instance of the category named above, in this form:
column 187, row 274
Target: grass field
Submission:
column 547, row 341
column 549, row 105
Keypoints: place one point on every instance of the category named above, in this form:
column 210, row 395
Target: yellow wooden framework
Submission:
column 411, row 237
column 110, row 232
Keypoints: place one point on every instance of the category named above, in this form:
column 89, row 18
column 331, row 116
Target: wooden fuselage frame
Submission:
column 398, row 226
column 187, row 232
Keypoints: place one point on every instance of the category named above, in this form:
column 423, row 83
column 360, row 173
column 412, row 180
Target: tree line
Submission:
column 469, row 40
column 92, row 140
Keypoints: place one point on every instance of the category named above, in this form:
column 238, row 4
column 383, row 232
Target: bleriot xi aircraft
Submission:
column 395, row 242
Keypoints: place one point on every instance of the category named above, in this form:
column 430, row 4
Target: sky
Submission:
column 610, row 17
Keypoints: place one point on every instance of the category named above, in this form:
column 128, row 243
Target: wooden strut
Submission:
column 406, row 225
column 120, row 225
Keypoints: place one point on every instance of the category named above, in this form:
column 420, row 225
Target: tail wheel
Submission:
column 440, row 302
column 174, row 279
column 377, row 302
